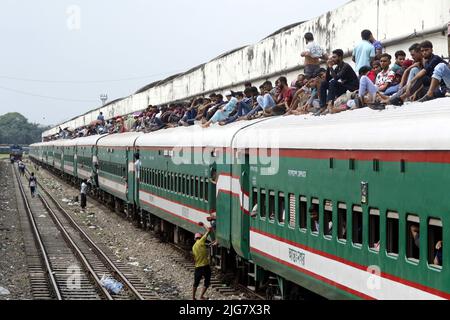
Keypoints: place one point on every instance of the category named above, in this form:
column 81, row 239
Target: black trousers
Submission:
column 83, row 201
column 202, row 272
column 329, row 91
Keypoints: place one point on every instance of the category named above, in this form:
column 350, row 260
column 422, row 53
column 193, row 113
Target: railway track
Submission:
column 185, row 260
column 64, row 263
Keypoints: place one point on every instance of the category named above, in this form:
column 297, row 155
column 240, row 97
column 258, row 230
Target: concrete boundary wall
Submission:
column 398, row 24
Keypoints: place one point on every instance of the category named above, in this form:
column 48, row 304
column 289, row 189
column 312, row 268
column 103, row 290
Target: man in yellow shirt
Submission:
column 202, row 267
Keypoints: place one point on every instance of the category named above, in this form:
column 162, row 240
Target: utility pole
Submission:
column 104, row 98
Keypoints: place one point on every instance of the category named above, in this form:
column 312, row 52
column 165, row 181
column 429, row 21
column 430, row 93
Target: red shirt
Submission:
column 285, row 96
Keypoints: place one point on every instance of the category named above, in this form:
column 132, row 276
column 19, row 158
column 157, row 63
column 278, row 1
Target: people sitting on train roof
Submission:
column 265, row 101
column 340, row 78
column 376, row 68
column 400, row 57
column 244, row 106
column 385, row 80
column 211, row 108
column 203, row 109
column 224, row 111
column 190, row 114
column 421, row 83
column 283, row 100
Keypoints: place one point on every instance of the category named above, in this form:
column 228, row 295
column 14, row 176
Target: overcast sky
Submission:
column 72, row 51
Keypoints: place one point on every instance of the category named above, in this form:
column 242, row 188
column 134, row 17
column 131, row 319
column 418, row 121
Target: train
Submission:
column 345, row 206
column 15, row 153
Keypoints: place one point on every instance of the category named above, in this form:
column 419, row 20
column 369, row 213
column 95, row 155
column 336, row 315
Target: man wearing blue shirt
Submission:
column 364, row 52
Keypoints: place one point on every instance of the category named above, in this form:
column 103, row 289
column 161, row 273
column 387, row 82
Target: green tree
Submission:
column 15, row 129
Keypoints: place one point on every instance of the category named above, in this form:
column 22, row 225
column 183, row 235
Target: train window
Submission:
column 160, row 179
column 262, row 206
column 166, row 181
column 170, row 181
column 196, row 186
column 206, row 189
column 303, row 207
column 314, row 215
column 292, row 210
column 183, row 185
column 328, row 218
column 180, row 182
column 357, row 221
column 254, row 202
column 376, row 165
column 202, row 184
column 342, row 222
column 413, row 238
column 392, row 233
column 351, row 164
column 374, row 229
column 435, row 242
column 281, row 208
column 192, row 190
column 271, row 205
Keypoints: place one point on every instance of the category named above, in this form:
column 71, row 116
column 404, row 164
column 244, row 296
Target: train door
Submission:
column 132, row 178
column 240, row 218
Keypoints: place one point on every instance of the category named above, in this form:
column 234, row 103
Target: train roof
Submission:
column 88, row 141
column 415, row 126
column 119, row 140
column 194, row 136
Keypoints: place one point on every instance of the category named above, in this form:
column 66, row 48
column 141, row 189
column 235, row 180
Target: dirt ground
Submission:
column 14, row 280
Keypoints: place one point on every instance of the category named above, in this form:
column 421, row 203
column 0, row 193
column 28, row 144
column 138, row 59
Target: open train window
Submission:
column 413, row 238
column 254, row 208
column 180, row 182
column 183, row 185
column 169, row 181
column 196, row 185
column 303, row 208
column 374, row 229
column 435, row 242
column 328, row 218
column 314, row 216
column 392, row 233
column 272, row 205
column 292, row 210
column 357, row 228
column 206, row 190
column 342, row 222
column 262, row 206
column 281, row 208
column 192, row 190
column 200, row 196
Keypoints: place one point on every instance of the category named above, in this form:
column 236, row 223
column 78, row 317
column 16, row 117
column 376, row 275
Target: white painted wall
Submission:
column 274, row 56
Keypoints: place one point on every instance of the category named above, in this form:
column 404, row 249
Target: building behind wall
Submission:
column 397, row 23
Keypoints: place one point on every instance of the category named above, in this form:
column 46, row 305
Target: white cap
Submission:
column 228, row 93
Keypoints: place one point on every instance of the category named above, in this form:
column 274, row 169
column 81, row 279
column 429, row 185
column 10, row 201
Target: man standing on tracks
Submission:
column 83, row 192
column 202, row 267
column 32, row 182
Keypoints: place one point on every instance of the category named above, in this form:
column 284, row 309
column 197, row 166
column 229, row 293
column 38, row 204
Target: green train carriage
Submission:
column 373, row 176
column 86, row 156
column 116, row 174
column 179, row 173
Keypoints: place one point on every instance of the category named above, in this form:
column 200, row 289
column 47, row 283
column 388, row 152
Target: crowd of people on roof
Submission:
column 379, row 79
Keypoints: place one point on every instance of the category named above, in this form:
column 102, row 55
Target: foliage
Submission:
column 15, row 129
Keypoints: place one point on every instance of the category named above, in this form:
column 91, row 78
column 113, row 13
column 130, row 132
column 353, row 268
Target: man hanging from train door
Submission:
column 202, row 267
